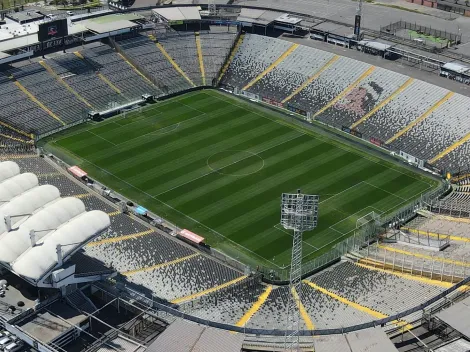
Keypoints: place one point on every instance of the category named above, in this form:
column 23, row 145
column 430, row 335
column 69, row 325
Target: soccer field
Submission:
column 217, row 166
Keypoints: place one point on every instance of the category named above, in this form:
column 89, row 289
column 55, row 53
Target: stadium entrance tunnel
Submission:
column 235, row 163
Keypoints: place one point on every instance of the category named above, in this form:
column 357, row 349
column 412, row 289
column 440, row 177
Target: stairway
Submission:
column 232, row 55
column 78, row 300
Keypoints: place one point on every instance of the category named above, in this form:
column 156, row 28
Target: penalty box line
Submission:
column 287, row 232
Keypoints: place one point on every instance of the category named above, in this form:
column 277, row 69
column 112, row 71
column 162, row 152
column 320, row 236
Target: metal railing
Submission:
column 123, row 290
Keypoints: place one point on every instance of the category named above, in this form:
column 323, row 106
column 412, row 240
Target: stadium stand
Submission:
column 60, row 102
column 172, row 282
column 374, row 289
column 83, row 78
column 291, row 73
column 143, row 52
column 272, row 314
column 138, row 251
column 457, row 158
column 396, row 111
column 227, row 305
column 329, row 84
column 182, row 49
column 17, row 110
column 328, row 312
column 443, row 127
column 106, row 61
column 363, row 98
column 215, row 48
column 255, row 54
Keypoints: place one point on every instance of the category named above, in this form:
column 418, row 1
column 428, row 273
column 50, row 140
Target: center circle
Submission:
column 225, row 161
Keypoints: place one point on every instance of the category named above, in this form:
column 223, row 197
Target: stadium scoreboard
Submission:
column 53, row 29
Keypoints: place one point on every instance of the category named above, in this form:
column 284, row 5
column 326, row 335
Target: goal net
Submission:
column 371, row 218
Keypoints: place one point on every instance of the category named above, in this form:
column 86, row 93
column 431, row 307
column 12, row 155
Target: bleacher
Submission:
column 181, row 46
column 83, row 78
column 51, row 93
column 445, row 126
column 330, row 83
column 106, row 61
column 17, row 110
column 401, row 113
column 215, row 45
column 291, row 73
column 255, row 54
column 363, row 98
column 142, row 51
column 380, row 291
column 457, row 158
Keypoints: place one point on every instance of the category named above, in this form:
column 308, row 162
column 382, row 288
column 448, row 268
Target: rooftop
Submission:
column 52, row 321
column 179, row 13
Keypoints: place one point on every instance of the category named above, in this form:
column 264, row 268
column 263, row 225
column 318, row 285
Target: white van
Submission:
column 12, row 347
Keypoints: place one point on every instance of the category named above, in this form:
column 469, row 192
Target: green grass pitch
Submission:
column 217, row 165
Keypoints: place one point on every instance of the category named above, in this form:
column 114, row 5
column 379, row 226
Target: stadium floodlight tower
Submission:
column 299, row 212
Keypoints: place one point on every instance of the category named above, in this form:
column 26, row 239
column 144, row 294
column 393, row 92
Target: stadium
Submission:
column 234, row 177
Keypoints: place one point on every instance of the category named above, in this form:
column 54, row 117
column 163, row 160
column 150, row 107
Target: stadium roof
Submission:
column 258, row 16
column 16, row 185
column 26, row 204
column 8, row 169
column 182, row 336
column 457, row 316
column 106, row 27
column 37, row 261
column 374, row 45
column 14, row 243
column 179, row 13
column 285, row 18
column 456, row 67
column 34, row 221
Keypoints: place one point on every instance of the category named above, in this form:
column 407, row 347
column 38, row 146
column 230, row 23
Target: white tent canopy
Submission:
column 26, row 204
column 38, row 260
column 14, row 243
column 16, row 185
column 8, row 169
column 35, row 221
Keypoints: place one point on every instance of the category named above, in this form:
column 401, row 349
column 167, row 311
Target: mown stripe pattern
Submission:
column 218, row 166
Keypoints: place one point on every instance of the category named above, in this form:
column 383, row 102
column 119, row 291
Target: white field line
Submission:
column 104, row 139
column 116, row 119
column 287, row 232
column 380, row 212
column 202, row 112
column 370, row 184
column 337, row 194
column 337, row 144
column 157, row 132
column 176, row 210
column 153, row 132
column 216, row 170
column 137, row 120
